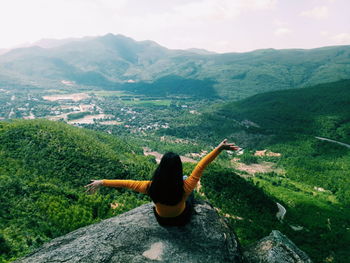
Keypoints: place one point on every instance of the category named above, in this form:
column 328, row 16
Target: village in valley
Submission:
column 133, row 113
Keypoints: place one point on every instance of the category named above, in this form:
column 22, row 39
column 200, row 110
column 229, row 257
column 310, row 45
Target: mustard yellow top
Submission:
column 189, row 185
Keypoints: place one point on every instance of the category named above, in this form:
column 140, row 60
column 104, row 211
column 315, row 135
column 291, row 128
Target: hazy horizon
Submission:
column 41, row 43
column 215, row 25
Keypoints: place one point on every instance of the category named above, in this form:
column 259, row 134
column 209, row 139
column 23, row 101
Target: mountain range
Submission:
column 121, row 63
column 286, row 98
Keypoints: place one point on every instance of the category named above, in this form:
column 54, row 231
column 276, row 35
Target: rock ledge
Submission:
column 136, row 236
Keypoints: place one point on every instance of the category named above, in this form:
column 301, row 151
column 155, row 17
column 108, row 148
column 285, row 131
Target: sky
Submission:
column 215, row 25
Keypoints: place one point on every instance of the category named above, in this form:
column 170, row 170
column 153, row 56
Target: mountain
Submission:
column 119, row 62
column 200, row 51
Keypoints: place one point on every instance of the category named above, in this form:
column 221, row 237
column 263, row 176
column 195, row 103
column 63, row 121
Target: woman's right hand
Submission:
column 92, row 187
column 224, row 145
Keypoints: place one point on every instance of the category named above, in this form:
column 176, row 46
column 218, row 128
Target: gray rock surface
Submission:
column 275, row 248
column 136, row 236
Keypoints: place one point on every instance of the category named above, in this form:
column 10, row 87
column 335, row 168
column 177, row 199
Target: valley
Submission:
column 132, row 113
column 115, row 106
column 302, row 173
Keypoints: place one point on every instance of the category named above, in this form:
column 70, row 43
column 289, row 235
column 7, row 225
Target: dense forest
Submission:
column 322, row 110
column 288, row 122
column 44, row 166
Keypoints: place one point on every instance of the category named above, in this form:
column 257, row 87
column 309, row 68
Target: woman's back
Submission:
column 167, row 189
column 166, row 210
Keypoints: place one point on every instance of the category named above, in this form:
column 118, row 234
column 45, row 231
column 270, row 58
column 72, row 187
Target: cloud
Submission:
column 342, row 38
column 220, row 9
column 282, row 31
column 279, row 22
column 193, row 16
column 24, row 21
column 318, row 12
column 27, row 21
column 259, row 4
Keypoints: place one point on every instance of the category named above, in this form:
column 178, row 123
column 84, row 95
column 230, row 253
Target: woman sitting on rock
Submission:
column 168, row 190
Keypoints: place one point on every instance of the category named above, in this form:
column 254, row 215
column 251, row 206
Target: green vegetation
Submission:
column 106, row 93
column 78, row 115
column 318, row 164
column 248, row 158
column 249, row 205
column 147, row 102
column 174, row 85
column 250, row 211
column 321, row 217
column 322, row 110
column 43, row 168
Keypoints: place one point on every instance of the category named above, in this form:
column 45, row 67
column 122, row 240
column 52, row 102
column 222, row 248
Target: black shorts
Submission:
column 179, row 220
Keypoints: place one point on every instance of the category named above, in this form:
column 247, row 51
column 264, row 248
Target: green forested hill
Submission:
column 119, row 62
column 43, row 168
column 322, row 110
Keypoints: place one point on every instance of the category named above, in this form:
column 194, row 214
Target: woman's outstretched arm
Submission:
column 191, row 182
column 138, row 186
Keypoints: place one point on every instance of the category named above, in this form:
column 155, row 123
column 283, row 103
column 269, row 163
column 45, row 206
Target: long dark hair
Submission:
column 167, row 183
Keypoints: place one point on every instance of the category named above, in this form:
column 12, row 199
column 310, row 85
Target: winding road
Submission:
column 329, row 140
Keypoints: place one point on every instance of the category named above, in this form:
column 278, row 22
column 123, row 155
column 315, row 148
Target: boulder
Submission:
column 136, row 236
column 275, row 248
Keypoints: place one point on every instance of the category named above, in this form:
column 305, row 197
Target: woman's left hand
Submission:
column 93, row 187
column 224, row 145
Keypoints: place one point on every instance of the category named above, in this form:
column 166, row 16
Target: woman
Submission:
column 168, row 190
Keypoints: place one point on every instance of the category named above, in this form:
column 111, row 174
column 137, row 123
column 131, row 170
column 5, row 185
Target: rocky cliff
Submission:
column 136, row 236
